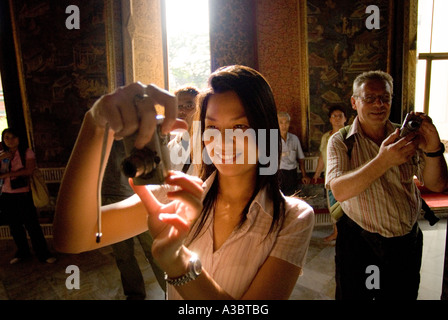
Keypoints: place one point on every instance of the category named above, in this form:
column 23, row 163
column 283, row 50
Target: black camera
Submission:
column 150, row 164
column 411, row 123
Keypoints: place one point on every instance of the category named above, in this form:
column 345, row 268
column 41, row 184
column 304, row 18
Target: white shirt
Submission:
column 291, row 152
column 235, row 264
column 179, row 147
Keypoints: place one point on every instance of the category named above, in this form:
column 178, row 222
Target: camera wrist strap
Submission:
column 103, row 155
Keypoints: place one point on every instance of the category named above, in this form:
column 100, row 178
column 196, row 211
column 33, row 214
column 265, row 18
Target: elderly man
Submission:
column 292, row 156
column 379, row 244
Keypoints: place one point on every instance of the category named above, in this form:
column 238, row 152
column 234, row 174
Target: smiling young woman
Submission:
column 229, row 237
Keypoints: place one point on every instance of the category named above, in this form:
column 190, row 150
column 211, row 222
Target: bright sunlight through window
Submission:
column 432, row 65
column 188, row 43
column 3, row 120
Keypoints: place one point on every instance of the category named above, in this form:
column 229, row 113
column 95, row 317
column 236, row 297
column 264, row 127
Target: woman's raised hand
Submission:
column 132, row 108
column 169, row 224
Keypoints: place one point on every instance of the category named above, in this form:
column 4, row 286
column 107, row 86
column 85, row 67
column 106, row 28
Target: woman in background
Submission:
column 338, row 118
column 16, row 200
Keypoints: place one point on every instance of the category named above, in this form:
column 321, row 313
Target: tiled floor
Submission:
column 100, row 279
column 318, row 281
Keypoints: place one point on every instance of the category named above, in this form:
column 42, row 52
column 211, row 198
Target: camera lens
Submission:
column 413, row 124
column 140, row 163
column 129, row 168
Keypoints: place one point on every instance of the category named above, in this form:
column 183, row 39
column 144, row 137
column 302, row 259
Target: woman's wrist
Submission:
column 92, row 118
column 96, row 129
column 95, row 117
column 178, row 266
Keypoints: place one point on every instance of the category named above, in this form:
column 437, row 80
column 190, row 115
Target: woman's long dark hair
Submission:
column 259, row 105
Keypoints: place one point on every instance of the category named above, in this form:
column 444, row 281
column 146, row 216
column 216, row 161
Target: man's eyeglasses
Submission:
column 385, row 98
column 189, row 106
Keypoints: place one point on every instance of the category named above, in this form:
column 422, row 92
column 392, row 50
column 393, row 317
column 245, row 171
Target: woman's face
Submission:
column 233, row 153
column 337, row 119
column 11, row 140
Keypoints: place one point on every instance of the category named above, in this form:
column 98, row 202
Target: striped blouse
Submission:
column 234, row 265
column 391, row 205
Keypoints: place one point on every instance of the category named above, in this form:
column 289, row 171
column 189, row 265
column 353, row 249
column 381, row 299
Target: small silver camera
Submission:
column 411, row 123
column 149, row 165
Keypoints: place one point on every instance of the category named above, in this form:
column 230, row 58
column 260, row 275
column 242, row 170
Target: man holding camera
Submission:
column 379, row 244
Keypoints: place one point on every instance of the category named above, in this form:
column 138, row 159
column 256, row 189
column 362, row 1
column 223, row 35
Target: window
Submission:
column 188, row 43
column 3, row 120
column 432, row 64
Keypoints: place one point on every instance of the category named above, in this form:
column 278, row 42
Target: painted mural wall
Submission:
column 340, row 47
column 63, row 71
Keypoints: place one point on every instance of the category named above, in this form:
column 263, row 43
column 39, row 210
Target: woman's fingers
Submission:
column 117, row 109
column 168, row 101
column 147, row 120
column 176, row 221
column 191, row 184
column 150, row 202
column 132, row 108
column 188, row 205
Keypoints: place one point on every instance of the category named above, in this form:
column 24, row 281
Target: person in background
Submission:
column 292, row 155
column 115, row 188
column 378, row 234
column 180, row 144
column 338, row 118
column 237, row 223
column 186, row 103
column 16, row 201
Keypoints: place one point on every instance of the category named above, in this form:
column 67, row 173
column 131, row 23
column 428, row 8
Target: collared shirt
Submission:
column 235, row 264
column 291, row 152
column 391, row 205
column 179, row 147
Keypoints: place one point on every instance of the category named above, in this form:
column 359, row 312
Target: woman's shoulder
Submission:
column 298, row 210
